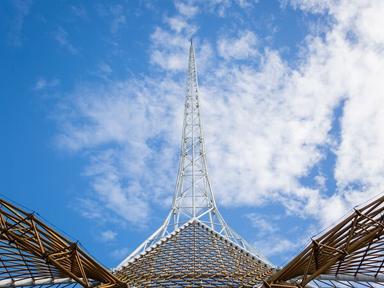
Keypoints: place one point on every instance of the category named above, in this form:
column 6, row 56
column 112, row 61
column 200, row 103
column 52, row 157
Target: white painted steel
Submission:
column 193, row 198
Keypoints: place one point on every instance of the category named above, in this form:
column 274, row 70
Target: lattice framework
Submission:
column 351, row 253
column 195, row 256
column 33, row 254
column 193, row 198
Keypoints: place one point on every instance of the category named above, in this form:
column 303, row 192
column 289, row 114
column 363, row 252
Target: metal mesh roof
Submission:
column 194, row 256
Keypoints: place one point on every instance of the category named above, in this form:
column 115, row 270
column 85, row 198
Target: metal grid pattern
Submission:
column 343, row 284
column 351, row 252
column 33, row 254
column 72, row 284
column 195, row 256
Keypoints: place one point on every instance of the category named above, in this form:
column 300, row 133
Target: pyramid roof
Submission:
column 194, row 256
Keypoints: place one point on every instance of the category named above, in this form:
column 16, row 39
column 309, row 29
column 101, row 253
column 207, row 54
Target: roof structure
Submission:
column 195, row 256
column 33, row 254
column 350, row 254
column 194, row 205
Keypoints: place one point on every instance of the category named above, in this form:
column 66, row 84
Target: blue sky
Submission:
column 91, row 109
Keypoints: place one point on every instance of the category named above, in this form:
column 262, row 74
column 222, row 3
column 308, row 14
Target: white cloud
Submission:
column 90, row 209
column 222, row 8
column 108, row 235
column 105, row 69
column 177, row 23
column 125, row 119
column 285, row 234
column 186, row 9
column 261, row 223
column 247, row 3
column 118, row 17
column 120, row 253
column 316, row 6
column 275, row 246
column 61, row 36
column 115, row 14
column 169, row 51
column 43, row 83
column 266, row 124
column 125, row 200
column 242, row 47
column 40, row 84
column 79, row 11
column 22, row 8
column 354, row 62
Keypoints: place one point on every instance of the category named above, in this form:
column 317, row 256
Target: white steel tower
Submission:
column 193, row 199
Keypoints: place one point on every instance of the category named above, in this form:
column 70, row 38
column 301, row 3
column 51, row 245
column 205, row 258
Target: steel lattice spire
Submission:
column 193, row 198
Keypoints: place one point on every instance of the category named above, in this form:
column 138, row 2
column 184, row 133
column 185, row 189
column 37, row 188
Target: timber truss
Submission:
column 33, row 254
column 351, row 254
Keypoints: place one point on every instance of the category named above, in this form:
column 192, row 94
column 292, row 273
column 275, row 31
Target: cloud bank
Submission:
column 269, row 123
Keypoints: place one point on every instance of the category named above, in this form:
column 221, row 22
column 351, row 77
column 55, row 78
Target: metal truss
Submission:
column 351, row 254
column 195, row 256
column 33, row 254
column 193, row 198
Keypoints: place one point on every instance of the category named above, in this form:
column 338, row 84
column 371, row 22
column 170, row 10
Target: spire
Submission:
column 193, row 196
column 193, row 199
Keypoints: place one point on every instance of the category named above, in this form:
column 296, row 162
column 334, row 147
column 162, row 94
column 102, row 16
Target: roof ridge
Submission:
column 232, row 243
column 206, row 227
column 163, row 239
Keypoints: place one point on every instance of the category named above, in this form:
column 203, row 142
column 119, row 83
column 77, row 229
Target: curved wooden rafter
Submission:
column 350, row 252
column 33, row 254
